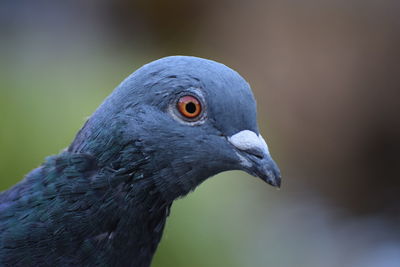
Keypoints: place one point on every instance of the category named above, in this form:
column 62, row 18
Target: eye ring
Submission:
column 189, row 107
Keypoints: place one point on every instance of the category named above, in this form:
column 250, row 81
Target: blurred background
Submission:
column 326, row 78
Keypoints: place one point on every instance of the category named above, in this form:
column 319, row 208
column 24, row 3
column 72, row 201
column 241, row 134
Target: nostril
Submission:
column 259, row 156
column 255, row 152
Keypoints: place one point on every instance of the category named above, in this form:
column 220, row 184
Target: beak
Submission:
column 255, row 157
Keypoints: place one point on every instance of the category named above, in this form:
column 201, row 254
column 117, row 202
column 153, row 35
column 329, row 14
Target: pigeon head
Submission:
column 185, row 119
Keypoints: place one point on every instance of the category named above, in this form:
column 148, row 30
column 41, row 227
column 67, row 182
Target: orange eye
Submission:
column 189, row 106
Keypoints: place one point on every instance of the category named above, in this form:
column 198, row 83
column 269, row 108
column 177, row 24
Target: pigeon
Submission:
column 104, row 200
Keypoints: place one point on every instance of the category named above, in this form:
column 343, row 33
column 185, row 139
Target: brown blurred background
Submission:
column 326, row 78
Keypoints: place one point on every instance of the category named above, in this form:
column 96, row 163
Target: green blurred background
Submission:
column 326, row 78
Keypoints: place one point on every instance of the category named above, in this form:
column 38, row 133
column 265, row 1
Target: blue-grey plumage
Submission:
column 104, row 200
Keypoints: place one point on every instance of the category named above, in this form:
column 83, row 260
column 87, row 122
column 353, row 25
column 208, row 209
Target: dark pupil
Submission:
column 191, row 107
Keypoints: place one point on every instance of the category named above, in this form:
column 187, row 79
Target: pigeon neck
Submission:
column 135, row 215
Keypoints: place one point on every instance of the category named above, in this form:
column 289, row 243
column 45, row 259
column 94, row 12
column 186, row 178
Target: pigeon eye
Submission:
column 189, row 106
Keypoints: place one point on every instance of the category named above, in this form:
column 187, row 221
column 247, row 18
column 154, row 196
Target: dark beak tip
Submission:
column 265, row 168
column 272, row 176
column 275, row 181
column 278, row 183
